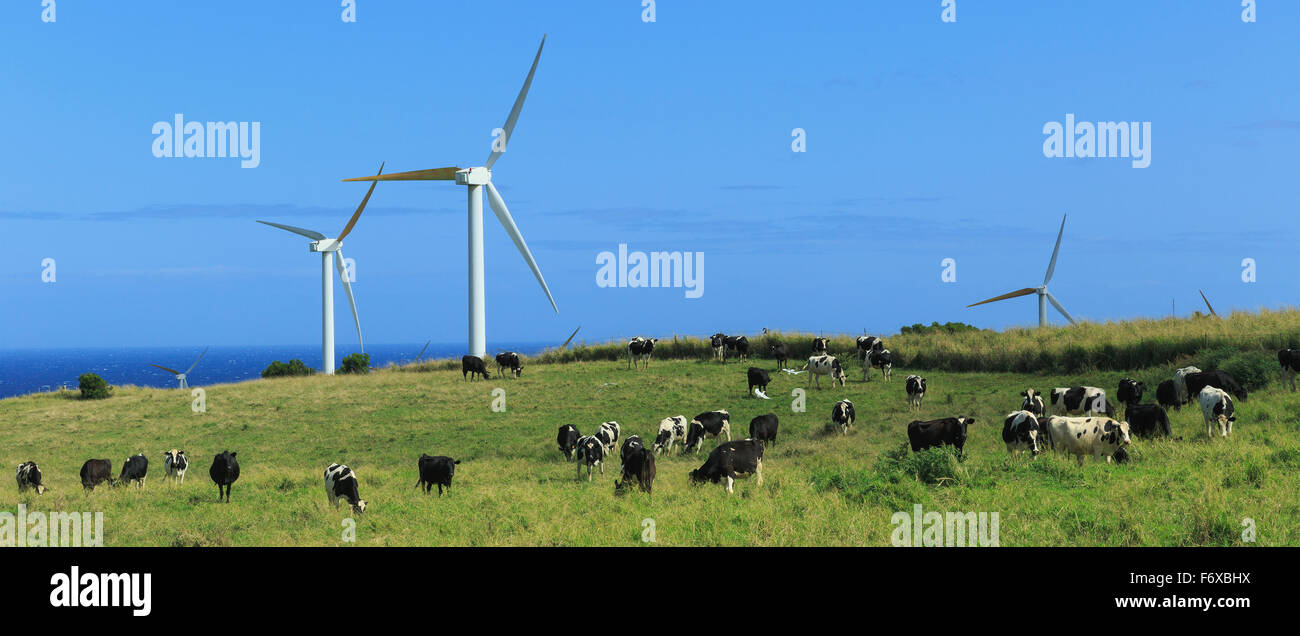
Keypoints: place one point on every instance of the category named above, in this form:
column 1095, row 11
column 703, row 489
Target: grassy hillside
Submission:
column 514, row 488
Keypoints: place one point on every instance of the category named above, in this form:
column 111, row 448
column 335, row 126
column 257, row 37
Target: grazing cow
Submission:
column 135, row 470
column 1082, row 400
column 731, row 461
column 825, row 365
column 1095, row 436
column 719, row 343
column 949, row 431
column 509, row 360
column 638, row 467
column 95, row 472
column 820, row 345
column 1033, row 402
column 739, row 344
column 671, row 430
column 630, row 444
column 29, row 476
column 915, row 390
column 1217, row 379
column 1148, row 420
column 1120, row 456
column 567, row 439
column 341, row 482
column 1130, row 391
column 758, row 378
column 882, row 359
column 472, row 366
column 779, row 351
column 608, row 434
column 1167, row 395
column 1180, row 383
column 436, row 470
column 1290, row 361
column 763, row 428
column 1021, row 432
column 1216, row 407
column 590, row 452
column 867, row 344
column 224, row 472
column 842, row 415
column 639, row 350
column 713, row 424
column 175, row 464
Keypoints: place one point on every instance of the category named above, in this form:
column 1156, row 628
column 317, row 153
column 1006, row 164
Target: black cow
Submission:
column 763, row 428
column 95, row 472
column 1290, row 361
column 779, row 351
column 1121, row 456
column 1167, row 395
column 1217, row 379
column 819, row 345
column 630, row 445
column 713, row 424
column 842, row 415
column 1130, row 391
column 473, row 365
column 224, row 472
column 949, row 431
column 638, row 467
column 436, row 470
column 738, row 344
column 341, row 483
column 1148, row 420
column 639, row 350
column 758, row 378
column 731, row 461
column 509, row 360
column 29, row 476
column 567, row 439
column 135, row 470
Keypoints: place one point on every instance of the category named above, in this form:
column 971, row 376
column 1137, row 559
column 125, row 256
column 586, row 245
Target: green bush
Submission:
column 1252, row 369
column 279, row 369
column 93, row 387
column 356, row 363
column 931, row 466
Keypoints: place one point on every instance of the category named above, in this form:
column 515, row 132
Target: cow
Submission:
column 95, row 472
column 1217, row 379
column 819, row 345
column 630, row 444
column 758, row 378
column 779, row 351
column 731, row 461
column 341, row 483
column 1217, row 408
column 472, row 366
column 1033, row 402
column 1081, row 400
column 567, row 440
column 1180, row 383
column 509, row 360
column 638, row 467
column 1081, row 436
column 1148, row 420
column 842, row 415
column 436, row 470
column 882, row 359
column 867, row 344
column 1130, row 391
column 590, row 452
column 739, row 344
column 1120, row 456
column 671, row 430
column 1290, row 361
column 719, row 343
column 825, row 365
column 915, row 390
column 1167, row 395
column 607, row 434
column 763, row 428
column 29, row 477
column 224, row 472
column 1022, row 432
column 639, row 350
column 135, row 469
column 949, row 431
column 174, row 465
column 713, row 424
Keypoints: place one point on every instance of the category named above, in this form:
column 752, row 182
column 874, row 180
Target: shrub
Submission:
column 356, row 363
column 931, row 466
column 1252, row 369
column 279, row 369
column 93, row 387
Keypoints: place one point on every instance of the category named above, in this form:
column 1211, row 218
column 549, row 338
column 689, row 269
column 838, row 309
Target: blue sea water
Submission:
column 25, row 371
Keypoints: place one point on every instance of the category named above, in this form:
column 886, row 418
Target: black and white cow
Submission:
column 843, row 415
column 819, row 345
column 436, row 469
column 671, row 430
column 95, row 472
column 29, row 477
column 1167, row 395
column 1217, row 379
column 738, row 344
column 825, row 365
column 1083, row 436
column 731, row 461
column 1130, row 391
column 341, row 483
column 711, row 424
column 1180, row 383
column 1148, row 420
column 763, row 428
column 175, row 465
column 949, row 431
column 758, row 379
column 224, row 471
column 608, row 434
column 589, row 452
column 1082, row 400
column 779, row 351
column 1032, row 402
column 882, row 359
column 472, row 366
column 1290, row 361
column 567, row 440
column 1217, row 408
column 915, row 391
column 639, row 350
column 867, row 344
column 719, row 343
column 134, row 470
column 638, row 467
column 509, row 360
column 1021, row 432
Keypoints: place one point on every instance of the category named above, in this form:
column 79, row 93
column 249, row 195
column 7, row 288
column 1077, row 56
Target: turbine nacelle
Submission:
column 326, row 245
column 473, row 176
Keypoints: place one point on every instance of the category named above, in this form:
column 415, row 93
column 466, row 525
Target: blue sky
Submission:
column 924, row 142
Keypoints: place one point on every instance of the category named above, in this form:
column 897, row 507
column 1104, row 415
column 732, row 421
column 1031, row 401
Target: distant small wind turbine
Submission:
column 1208, row 305
column 327, row 247
column 181, row 376
column 1044, row 296
column 566, row 342
column 421, row 353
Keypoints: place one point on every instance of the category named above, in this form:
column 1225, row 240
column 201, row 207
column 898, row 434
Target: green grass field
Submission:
column 514, row 488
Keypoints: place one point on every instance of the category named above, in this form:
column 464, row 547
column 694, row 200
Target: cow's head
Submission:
column 717, row 340
column 359, row 507
column 519, row 370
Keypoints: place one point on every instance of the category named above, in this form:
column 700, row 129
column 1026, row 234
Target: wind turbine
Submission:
column 1044, row 296
column 1208, row 305
column 181, row 376
column 421, row 353
column 477, row 179
column 327, row 247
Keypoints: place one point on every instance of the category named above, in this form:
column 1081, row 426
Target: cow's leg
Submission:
column 730, row 483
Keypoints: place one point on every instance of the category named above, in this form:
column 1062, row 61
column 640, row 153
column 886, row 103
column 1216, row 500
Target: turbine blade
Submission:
column 1051, row 266
column 348, row 229
column 196, row 360
column 1015, row 294
column 503, row 215
column 352, row 302
column 426, row 346
column 1057, row 305
column 434, row 174
column 311, row 234
column 171, row 371
column 1207, row 304
column 566, row 342
column 509, row 128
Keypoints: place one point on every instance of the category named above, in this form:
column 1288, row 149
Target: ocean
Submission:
column 25, row 371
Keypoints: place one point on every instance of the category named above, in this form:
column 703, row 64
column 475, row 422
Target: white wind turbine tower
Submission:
column 477, row 179
column 327, row 247
column 1044, row 296
column 181, row 376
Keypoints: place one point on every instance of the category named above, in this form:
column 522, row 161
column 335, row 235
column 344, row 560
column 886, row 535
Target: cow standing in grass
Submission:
column 509, row 360
column 714, row 424
column 174, row 465
column 1022, row 432
column 589, row 452
column 763, row 428
column 825, row 365
column 95, row 472
column 1083, row 436
column 341, row 483
column 472, row 366
column 758, row 379
column 1216, row 408
column 1167, row 395
column 1032, row 402
column 639, row 350
column 731, row 461
column 739, row 344
column 638, row 467
column 949, row 431
column 719, row 343
column 820, row 345
column 134, row 470
column 567, row 440
column 671, row 430
column 1180, row 383
column 779, row 351
column 607, row 434
column 882, row 359
column 915, row 391
column 29, row 478
column 842, row 416
column 1148, row 420
column 435, row 470
column 224, row 472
